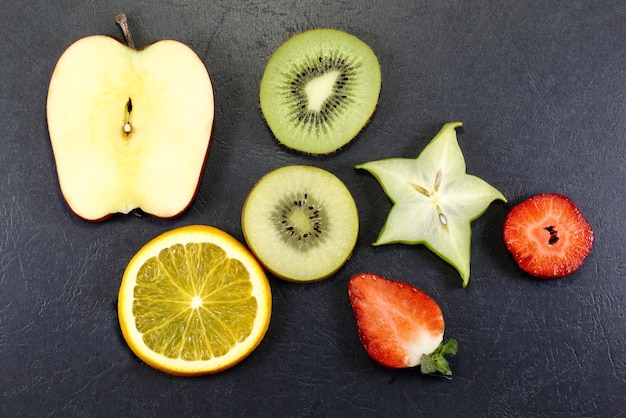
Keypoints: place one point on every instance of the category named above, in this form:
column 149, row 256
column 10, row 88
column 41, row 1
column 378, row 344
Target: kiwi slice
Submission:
column 319, row 89
column 301, row 222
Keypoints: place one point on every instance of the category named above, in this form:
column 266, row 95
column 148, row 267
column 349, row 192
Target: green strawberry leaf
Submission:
column 435, row 364
column 434, row 199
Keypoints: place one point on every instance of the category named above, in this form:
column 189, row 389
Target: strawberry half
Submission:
column 399, row 325
column 548, row 236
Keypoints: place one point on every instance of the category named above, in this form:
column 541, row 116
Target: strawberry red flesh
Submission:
column 398, row 324
column 548, row 236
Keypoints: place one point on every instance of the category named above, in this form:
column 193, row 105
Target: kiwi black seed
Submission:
column 301, row 222
column 319, row 89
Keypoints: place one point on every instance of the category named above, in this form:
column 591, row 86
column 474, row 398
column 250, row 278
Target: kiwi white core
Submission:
column 319, row 89
column 301, row 222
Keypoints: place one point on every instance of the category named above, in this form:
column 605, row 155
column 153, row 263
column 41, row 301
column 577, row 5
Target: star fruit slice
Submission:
column 434, row 199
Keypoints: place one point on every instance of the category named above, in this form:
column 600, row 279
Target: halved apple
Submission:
column 130, row 129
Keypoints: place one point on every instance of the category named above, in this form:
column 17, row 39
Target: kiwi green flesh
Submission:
column 301, row 223
column 319, row 89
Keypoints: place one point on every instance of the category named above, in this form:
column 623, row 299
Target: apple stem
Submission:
column 121, row 20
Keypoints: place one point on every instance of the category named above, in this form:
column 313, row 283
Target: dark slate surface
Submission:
column 541, row 89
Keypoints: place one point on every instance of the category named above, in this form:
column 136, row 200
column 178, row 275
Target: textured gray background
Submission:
column 541, row 89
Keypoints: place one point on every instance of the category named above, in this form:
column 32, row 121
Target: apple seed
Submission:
column 129, row 108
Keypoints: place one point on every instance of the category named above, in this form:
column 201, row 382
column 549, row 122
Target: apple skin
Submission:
column 158, row 165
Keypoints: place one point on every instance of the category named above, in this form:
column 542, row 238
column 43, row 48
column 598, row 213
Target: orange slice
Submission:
column 194, row 301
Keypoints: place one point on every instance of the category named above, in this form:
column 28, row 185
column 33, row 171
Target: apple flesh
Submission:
column 130, row 129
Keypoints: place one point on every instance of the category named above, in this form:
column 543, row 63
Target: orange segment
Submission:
column 194, row 301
